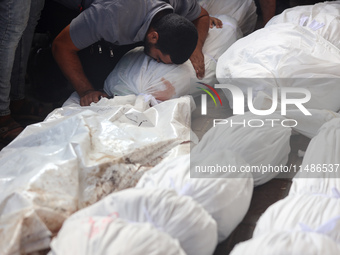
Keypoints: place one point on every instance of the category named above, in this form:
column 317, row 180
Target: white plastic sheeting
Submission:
column 244, row 11
column 110, row 235
column 77, row 156
column 304, row 58
column 261, row 141
column 226, row 198
column 137, row 73
column 313, row 213
column 321, row 18
column 320, row 169
column 179, row 216
column 288, row 243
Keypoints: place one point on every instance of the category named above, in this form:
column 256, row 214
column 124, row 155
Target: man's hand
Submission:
column 197, row 61
column 215, row 22
column 91, row 96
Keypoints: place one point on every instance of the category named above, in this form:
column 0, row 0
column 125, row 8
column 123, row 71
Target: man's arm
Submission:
column 202, row 24
column 65, row 53
column 268, row 8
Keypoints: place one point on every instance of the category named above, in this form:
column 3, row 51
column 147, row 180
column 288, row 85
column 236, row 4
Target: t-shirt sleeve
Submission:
column 190, row 9
column 87, row 28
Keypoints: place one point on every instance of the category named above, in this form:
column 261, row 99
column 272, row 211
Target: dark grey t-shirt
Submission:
column 123, row 22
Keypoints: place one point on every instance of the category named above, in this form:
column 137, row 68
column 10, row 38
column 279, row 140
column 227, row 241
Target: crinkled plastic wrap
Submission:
column 77, row 156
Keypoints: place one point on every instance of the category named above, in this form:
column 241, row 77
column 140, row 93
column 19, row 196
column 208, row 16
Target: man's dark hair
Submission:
column 177, row 36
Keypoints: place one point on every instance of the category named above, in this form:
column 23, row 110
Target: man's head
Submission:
column 171, row 39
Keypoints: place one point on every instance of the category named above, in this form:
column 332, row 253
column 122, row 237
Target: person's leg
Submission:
column 23, row 51
column 13, row 20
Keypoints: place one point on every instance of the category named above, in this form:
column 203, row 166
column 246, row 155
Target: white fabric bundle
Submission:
column 321, row 18
column 226, row 198
column 288, row 243
column 109, row 235
column 244, row 11
column 180, row 217
column 312, row 213
column 264, row 146
column 320, row 169
column 280, row 51
column 137, row 73
column 78, row 156
column 309, row 125
column 320, row 185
